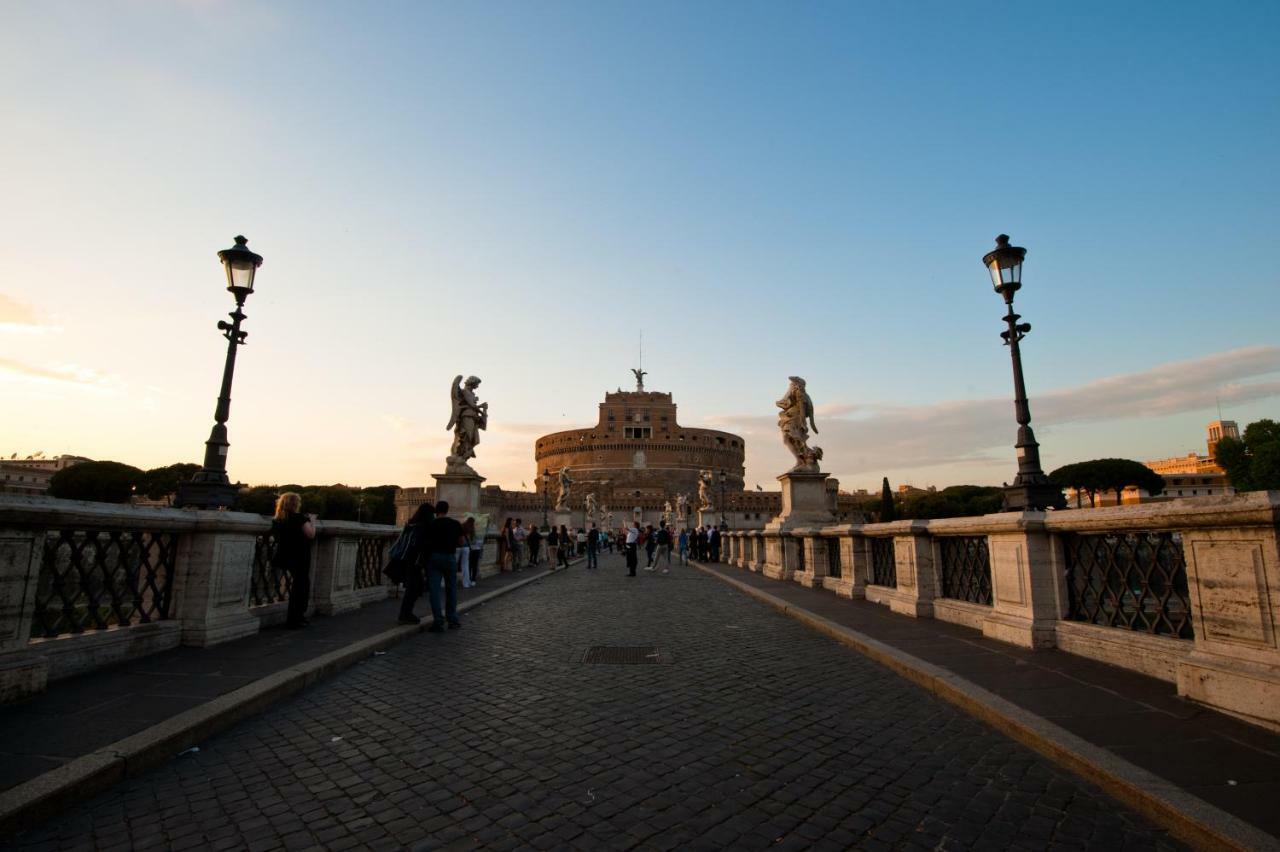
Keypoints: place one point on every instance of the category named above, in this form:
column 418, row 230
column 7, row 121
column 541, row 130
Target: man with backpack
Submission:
column 593, row 547
column 404, row 566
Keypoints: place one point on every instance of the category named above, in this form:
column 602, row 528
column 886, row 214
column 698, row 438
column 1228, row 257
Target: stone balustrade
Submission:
column 85, row 585
column 1186, row 590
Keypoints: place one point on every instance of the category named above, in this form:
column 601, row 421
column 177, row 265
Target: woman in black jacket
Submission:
column 293, row 532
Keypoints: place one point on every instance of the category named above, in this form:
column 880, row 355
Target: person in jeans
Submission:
column 593, row 548
column 684, row 547
column 443, row 539
column 463, row 554
column 663, row 538
column 518, row 536
column 650, row 541
column 293, row 532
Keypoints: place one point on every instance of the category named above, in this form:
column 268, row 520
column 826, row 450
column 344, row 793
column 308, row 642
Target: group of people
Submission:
column 437, row 547
column 520, row 547
column 658, row 544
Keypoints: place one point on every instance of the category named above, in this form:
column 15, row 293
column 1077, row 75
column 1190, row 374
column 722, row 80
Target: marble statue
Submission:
column 682, row 507
column 705, row 478
column 467, row 418
column 795, row 417
column 589, row 507
column 666, row 512
column 566, row 483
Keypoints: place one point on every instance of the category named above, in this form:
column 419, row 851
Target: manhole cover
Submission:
column 625, row 655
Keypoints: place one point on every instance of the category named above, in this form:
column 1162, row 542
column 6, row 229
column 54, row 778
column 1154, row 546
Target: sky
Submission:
column 520, row 190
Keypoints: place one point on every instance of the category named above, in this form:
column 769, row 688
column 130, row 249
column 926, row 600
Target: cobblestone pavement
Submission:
column 750, row 732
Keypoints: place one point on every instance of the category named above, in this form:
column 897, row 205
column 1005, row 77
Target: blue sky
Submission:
column 517, row 190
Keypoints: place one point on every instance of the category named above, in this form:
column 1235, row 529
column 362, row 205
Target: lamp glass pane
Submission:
column 240, row 274
column 994, row 268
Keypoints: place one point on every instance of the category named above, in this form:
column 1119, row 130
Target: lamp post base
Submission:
column 206, row 494
column 1033, row 493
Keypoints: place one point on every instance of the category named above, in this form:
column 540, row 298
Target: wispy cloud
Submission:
column 21, row 318
column 68, row 374
column 873, row 438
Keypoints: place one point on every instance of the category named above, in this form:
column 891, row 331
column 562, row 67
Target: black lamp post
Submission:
column 546, row 484
column 1031, row 489
column 722, row 479
column 210, row 488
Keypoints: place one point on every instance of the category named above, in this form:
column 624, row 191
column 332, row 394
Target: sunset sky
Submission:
column 518, row 190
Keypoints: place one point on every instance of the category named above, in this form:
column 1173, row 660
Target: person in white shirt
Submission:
column 633, row 559
column 519, row 534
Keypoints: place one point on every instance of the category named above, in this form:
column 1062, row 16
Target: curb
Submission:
column 1188, row 818
column 34, row 801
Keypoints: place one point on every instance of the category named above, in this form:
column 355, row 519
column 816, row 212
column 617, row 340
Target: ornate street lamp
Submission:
column 1031, row 489
column 210, row 488
column 546, row 484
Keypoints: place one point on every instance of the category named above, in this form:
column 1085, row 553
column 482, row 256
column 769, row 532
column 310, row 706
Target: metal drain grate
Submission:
column 632, row 655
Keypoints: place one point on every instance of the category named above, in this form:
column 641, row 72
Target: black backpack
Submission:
column 404, row 553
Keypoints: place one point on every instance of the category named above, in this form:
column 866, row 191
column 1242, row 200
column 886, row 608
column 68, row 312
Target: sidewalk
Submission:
column 142, row 712
column 1121, row 719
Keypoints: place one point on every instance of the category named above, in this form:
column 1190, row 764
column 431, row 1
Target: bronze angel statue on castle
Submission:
column 467, row 418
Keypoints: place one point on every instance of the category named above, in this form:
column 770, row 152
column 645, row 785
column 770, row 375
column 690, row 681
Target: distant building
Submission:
column 31, row 475
column 1192, row 475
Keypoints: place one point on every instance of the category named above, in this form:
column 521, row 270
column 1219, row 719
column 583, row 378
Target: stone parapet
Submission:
column 182, row 576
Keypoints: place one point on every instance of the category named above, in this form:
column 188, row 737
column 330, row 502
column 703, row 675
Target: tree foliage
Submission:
column 1091, row 477
column 161, row 482
column 888, row 509
column 101, row 481
column 1252, row 464
column 956, row 501
column 374, row 505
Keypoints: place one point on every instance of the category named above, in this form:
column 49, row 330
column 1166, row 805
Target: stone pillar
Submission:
column 215, row 567
column 563, row 518
column 1234, row 577
column 812, row 569
column 1024, row 585
column 855, row 562
column 460, row 490
column 917, row 580
column 759, row 553
column 21, row 555
column 804, row 505
column 334, row 571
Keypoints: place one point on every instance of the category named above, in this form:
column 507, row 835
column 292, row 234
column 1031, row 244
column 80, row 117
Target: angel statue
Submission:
column 466, row 420
column 639, row 374
column 666, row 512
column 705, row 478
column 589, row 510
column 795, row 417
column 562, row 502
column 682, row 506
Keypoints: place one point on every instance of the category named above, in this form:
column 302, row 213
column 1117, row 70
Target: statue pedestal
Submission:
column 804, row 502
column 460, row 490
column 563, row 519
column 708, row 518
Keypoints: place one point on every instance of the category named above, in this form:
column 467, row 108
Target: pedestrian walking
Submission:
column 663, row 537
column 650, row 546
column 582, row 541
column 443, row 538
column 684, row 546
column 463, row 554
column 534, row 542
column 593, row 548
column 518, row 536
column 713, row 542
column 477, row 552
column 553, row 547
column 293, row 532
column 631, row 545
column 566, row 546
column 414, row 561
column 504, row 545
